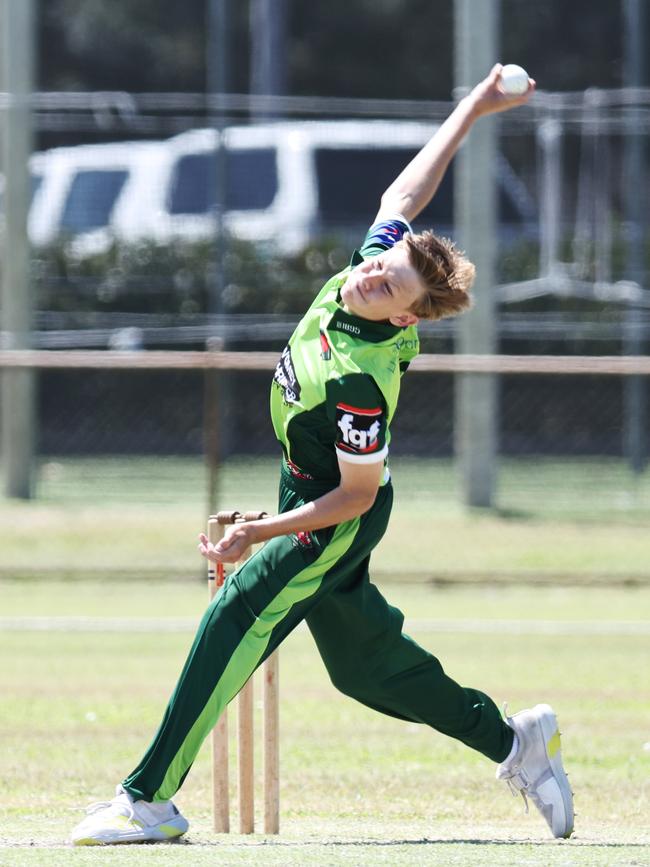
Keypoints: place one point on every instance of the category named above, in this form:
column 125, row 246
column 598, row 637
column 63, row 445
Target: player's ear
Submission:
column 404, row 319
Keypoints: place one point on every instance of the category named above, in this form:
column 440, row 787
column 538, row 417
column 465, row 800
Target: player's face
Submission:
column 383, row 288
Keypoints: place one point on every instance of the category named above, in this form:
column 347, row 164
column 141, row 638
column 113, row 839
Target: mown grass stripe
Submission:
column 415, row 625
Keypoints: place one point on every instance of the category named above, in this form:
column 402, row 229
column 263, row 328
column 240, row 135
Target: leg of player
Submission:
column 359, row 635
column 258, row 606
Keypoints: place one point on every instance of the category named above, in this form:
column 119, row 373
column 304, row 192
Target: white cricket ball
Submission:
column 514, row 80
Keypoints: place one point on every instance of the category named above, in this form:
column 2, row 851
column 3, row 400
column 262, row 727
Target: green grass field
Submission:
column 82, row 694
column 546, row 598
column 577, row 521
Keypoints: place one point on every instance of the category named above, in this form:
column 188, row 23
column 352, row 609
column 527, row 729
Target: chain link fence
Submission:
column 171, row 222
column 141, row 410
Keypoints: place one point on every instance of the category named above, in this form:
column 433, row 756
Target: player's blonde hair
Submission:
column 446, row 272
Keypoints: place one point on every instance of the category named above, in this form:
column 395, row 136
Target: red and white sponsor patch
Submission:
column 358, row 429
column 304, row 539
column 325, row 348
column 295, row 470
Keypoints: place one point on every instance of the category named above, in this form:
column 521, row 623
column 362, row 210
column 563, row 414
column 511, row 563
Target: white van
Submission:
column 87, row 193
column 285, row 184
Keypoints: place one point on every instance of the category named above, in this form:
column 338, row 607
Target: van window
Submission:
column 251, row 181
column 91, row 198
column 351, row 181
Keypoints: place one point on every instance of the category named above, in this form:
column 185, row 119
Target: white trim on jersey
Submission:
column 374, row 458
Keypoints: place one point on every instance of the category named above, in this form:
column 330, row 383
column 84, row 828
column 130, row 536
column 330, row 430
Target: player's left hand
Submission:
column 488, row 97
column 236, row 539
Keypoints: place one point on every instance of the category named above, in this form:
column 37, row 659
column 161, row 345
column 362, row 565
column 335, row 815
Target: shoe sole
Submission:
column 166, row 833
column 115, row 841
column 552, row 744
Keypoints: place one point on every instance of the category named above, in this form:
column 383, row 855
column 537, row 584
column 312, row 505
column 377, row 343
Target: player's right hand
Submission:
column 488, row 98
column 236, row 539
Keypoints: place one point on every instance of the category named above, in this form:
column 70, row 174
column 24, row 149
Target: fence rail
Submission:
column 611, row 365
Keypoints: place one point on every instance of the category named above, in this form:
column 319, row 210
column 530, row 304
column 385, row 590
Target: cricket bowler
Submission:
column 333, row 397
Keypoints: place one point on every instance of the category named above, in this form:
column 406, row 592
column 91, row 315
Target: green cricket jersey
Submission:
column 336, row 386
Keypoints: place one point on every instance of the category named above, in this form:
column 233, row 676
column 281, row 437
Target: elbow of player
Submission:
column 397, row 202
column 361, row 501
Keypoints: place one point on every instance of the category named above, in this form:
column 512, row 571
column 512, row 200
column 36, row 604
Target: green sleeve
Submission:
column 358, row 410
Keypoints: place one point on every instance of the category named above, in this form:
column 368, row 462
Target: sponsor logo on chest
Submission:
column 285, row 376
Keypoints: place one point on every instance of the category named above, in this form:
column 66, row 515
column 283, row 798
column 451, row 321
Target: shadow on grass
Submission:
column 236, row 841
column 581, row 518
column 512, row 514
column 424, row 841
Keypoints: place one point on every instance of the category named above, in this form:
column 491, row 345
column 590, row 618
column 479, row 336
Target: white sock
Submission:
column 513, row 751
column 153, row 811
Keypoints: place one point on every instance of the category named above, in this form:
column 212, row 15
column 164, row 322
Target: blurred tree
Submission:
column 565, row 46
column 176, row 277
column 362, row 48
column 372, row 48
column 133, row 45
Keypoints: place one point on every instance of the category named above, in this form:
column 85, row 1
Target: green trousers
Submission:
column 322, row 578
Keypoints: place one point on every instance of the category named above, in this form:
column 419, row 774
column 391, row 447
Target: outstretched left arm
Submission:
column 414, row 188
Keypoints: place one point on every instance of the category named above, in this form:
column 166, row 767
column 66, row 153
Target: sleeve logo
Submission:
column 286, row 378
column 358, row 429
column 387, row 233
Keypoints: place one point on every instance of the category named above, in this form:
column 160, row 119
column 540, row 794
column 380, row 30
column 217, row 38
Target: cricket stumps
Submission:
column 245, row 726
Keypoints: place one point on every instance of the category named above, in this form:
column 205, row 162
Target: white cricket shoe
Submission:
column 536, row 768
column 123, row 820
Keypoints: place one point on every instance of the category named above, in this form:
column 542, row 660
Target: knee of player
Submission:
column 344, row 684
column 348, row 678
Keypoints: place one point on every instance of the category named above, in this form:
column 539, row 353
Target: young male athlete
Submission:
column 333, row 396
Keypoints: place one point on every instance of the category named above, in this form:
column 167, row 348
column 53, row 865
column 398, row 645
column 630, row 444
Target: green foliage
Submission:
column 392, row 48
column 122, row 45
column 178, row 277
column 521, row 261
